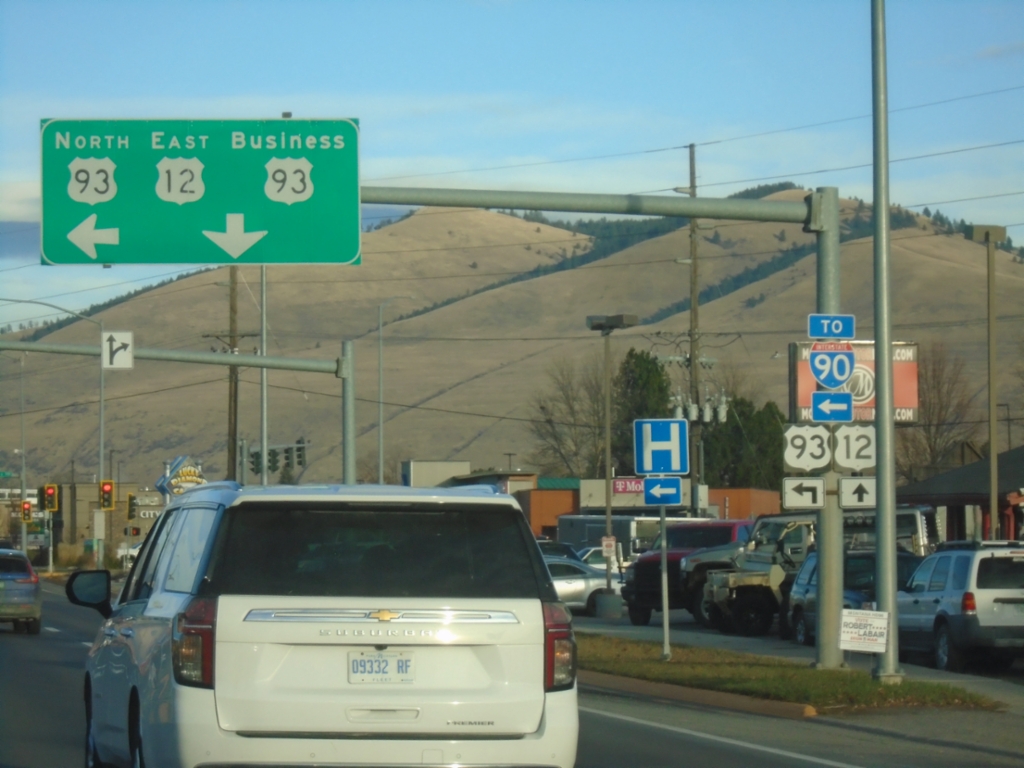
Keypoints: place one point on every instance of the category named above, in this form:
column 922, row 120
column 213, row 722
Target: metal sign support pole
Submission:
column 830, row 522
column 666, row 650
column 348, row 413
column 886, row 667
column 264, row 470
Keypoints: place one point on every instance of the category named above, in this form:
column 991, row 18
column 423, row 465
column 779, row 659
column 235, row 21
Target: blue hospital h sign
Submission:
column 661, row 446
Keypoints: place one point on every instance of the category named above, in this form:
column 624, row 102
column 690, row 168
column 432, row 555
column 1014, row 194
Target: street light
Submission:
column 606, row 324
column 99, row 464
column 990, row 235
column 380, row 384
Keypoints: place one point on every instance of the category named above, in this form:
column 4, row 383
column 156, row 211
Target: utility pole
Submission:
column 694, row 333
column 232, row 473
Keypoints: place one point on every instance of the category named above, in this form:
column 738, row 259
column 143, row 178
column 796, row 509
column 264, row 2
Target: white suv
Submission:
column 332, row 625
column 966, row 599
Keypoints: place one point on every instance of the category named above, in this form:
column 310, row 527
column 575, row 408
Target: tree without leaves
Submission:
column 928, row 448
column 568, row 420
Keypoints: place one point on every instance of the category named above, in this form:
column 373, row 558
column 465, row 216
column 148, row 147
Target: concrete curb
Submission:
column 733, row 701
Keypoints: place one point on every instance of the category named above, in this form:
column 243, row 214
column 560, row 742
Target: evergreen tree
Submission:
column 746, row 451
column 640, row 390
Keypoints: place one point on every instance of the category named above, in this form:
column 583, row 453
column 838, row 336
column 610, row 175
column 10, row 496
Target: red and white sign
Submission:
column 608, row 547
column 861, row 382
column 628, row 485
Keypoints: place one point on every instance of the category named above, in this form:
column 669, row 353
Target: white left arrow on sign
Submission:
column 86, row 237
column 235, row 240
column 660, row 491
column 828, row 406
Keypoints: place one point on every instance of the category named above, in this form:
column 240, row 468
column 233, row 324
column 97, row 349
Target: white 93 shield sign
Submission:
column 288, row 180
column 92, row 180
column 807, row 447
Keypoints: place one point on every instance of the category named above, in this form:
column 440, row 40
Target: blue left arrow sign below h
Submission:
column 661, row 446
column 667, row 491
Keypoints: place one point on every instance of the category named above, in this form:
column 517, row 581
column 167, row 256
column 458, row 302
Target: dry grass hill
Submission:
column 458, row 378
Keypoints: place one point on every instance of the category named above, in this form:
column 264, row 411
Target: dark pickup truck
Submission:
column 642, row 590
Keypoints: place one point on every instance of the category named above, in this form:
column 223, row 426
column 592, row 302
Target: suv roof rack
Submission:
column 974, row 545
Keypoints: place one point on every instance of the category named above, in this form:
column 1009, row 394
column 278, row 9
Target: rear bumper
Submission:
column 28, row 609
column 194, row 740
column 968, row 632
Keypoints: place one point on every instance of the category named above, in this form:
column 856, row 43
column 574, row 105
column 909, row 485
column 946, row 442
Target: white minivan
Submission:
column 332, row 625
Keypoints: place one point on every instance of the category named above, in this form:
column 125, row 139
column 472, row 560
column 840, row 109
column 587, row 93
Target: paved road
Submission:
column 42, row 722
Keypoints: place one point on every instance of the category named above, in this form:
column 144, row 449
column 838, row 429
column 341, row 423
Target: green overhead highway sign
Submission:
column 200, row 191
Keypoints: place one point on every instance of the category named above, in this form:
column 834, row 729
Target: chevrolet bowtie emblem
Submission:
column 384, row 615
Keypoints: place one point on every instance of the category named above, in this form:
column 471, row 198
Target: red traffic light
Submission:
column 107, row 487
column 26, row 506
column 51, row 490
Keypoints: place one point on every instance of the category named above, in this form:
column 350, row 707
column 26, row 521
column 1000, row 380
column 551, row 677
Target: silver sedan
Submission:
column 577, row 583
column 21, row 599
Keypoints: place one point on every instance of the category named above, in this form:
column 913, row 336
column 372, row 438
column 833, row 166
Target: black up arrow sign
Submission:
column 860, row 492
column 812, row 490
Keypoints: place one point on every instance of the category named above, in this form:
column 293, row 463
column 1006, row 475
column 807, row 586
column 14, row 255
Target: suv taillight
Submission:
column 968, row 605
column 192, row 642
column 559, row 648
column 33, row 577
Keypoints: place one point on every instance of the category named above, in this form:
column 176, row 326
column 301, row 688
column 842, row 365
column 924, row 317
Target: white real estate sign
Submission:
column 864, row 631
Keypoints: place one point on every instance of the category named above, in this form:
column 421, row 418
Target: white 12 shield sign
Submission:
column 854, row 446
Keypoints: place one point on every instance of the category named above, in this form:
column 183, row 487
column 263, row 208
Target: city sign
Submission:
column 803, row 492
column 857, row 493
column 831, row 326
column 854, row 447
column 832, row 363
column 807, row 447
column 200, row 191
column 831, row 406
column 661, row 446
column 861, row 383
column 663, row 491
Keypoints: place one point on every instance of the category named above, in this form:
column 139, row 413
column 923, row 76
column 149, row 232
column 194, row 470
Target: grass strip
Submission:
column 765, row 677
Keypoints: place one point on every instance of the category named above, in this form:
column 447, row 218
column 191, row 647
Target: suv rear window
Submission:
column 696, row 537
column 1001, row 573
column 323, row 549
column 13, row 564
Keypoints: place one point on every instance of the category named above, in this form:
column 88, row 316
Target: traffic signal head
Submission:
column 133, row 506
column 300, row 451
column 107, row 494
column 289, row 457
column 26, row 511
column 272, row 460
column 132, row 530
column 51, row 499
column 255, row 462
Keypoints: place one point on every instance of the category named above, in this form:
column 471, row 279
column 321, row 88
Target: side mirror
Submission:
column 90, row 589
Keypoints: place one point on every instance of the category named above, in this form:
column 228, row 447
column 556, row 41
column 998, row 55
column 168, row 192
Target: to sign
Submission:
column 854, row 447
column 832, row 363
column 200, row 191
column 807, row 448
column 803, row 492
column 831, row 326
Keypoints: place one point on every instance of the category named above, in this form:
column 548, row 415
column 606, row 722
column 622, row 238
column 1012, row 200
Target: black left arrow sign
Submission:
column 811, row 489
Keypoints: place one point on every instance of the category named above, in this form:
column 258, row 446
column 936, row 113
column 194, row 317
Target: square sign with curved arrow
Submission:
column 118, row 350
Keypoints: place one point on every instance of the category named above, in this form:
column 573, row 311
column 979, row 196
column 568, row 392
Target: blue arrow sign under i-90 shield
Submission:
column 661, row 446
column 832, row 406
column 663, row 491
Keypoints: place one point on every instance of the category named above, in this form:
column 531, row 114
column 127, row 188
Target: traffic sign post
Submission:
column 831, row 406
column 807, row 447
column 854, row 447
column 831, row 326
column 803, row 492
column 663, row 491
column 200, row 191
column 857, row 493
column 661, row 446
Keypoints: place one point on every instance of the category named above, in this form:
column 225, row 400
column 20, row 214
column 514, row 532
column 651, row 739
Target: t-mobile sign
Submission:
column 628, row 485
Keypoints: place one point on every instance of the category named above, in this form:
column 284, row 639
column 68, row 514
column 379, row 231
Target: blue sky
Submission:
column 451, row 93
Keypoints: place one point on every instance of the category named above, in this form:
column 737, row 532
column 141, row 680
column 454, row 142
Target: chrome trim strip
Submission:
column 360, row 616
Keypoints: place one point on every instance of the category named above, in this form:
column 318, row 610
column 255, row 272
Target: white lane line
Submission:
column 51, row 629
column 721, row 739
column 87, row 645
